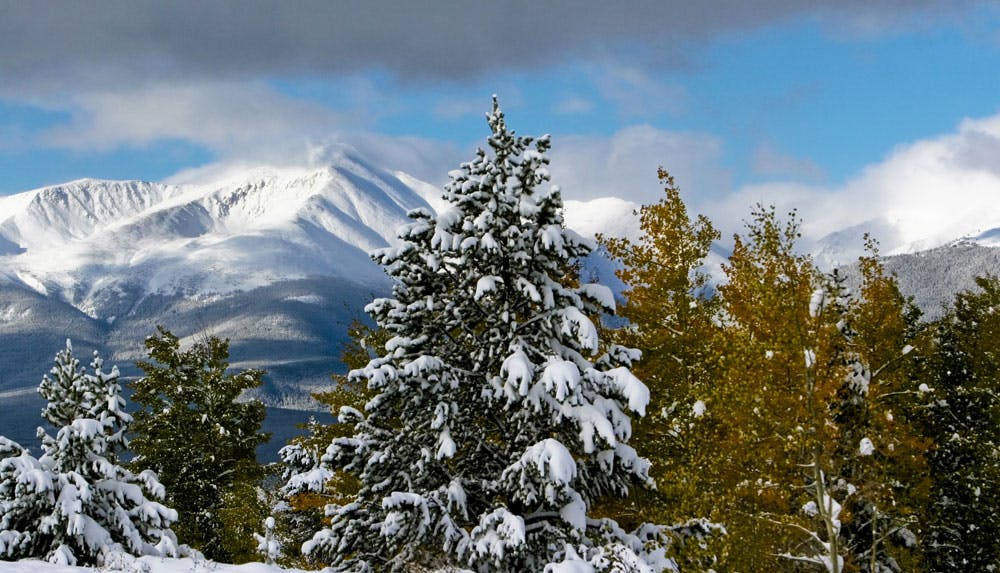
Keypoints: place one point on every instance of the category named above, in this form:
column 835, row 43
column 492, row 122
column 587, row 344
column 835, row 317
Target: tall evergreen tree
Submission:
column 194, row 433
column 496, row 424
column 961, row 384
column 75, row 504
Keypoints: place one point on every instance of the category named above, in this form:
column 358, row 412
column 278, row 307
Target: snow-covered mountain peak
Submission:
column 87, row 238
column 266, row 197
column 51, row 216
column 609, row 216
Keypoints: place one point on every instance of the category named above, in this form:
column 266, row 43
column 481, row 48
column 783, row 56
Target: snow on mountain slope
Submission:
column 88, row 238
column 607, row 215
column 51, row 216
column 988, row 238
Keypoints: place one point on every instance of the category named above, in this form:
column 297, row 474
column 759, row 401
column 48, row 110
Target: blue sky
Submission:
column 731, row 97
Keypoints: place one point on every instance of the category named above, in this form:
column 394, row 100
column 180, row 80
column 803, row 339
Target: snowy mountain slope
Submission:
column 607, row 215
column 274, row 258
column 930, row 270
column 94, row 243
column 933, row 277
column 51, row 216
column 915, row 234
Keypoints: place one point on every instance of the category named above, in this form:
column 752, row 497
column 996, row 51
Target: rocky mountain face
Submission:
column 934, row 276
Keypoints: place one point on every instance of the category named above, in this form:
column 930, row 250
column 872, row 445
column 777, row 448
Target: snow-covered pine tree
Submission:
column 75, row 504
column 309, row 486
column 496, row 424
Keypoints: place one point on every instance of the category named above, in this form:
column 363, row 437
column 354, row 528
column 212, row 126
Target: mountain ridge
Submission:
column 72, row 240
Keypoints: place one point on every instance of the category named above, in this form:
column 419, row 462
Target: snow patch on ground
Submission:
column 306, row 299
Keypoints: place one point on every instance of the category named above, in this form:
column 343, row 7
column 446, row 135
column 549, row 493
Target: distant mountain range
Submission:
column 276, row 259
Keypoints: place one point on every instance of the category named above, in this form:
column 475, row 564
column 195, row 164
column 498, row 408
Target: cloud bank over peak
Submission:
column 624, row 164
column 922, row 195
column 218, row 115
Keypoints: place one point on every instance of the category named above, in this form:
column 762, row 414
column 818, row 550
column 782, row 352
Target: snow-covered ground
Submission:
column 143, row 565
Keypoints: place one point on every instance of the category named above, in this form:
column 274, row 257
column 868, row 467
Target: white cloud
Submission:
column 451, row 108
column 636, row 93
column 225, row 117
column 769, row 161
column 426, row 160
column 475, row 108
column 922, row 195
column 245, row 124
column 429, row 160
column 574, row 106
column 624, row 165
column 13, row 138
